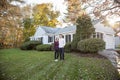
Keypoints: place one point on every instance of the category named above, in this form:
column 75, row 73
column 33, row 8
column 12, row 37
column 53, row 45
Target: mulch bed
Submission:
column 95, row 55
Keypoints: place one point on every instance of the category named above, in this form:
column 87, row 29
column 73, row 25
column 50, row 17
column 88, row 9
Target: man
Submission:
column 61, row 46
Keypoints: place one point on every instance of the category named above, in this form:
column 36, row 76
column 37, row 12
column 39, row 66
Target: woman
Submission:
column 56, row 48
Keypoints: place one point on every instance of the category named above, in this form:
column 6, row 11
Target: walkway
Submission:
column 113, row 56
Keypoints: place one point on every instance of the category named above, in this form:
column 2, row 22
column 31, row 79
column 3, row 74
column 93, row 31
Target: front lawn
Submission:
column 16, row 64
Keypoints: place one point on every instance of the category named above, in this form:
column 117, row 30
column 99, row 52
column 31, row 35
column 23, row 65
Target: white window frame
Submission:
column 52, row 39
column 98, row 35
column 68, row 37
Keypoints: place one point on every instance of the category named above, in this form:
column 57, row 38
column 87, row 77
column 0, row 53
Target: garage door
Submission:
column 110, row 41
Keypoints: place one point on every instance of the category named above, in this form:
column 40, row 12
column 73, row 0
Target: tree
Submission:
column 100, row 9
column 28, row 29
column 10, row 17
column 103, row 8
column 84, row 30
column 74, row 10
column 44, row 15
column 116, row 27
column 26, row 11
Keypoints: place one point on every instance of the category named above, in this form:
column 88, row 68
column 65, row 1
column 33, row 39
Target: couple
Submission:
column 59, row 47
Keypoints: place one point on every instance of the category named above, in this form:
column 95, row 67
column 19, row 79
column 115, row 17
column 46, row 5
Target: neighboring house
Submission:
column 47, row 34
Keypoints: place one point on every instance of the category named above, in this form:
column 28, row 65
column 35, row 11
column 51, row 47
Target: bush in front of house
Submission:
column 84, row 30
column 30, row 45
column 91, row 45
column 52, row 46
column 118, row 46
column 43, row 47
column 68, row 47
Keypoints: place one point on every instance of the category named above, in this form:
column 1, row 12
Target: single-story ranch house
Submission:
column 47, row 34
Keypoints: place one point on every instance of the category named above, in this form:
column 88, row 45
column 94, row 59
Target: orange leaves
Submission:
column 74, row 10
column 44, row 15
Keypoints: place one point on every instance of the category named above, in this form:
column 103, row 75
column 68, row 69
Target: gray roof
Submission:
column 96, row 21
column 66, row 29
column 49, row 29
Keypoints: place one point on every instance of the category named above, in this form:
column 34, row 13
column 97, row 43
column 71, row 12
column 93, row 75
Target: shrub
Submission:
column 68, row 47
column 92, row 45
column 30, row 45
column 84, row 30
column 52, row 46
column 43, row 47
column 27, row 39
column 118, row 46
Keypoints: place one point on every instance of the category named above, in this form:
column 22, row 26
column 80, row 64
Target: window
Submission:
column 97, row 35
column 50, row 39
column 68, row 38
column 101, row 35
column 40, row 39
column 94, row 35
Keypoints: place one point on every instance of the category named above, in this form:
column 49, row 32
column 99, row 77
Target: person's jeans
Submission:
column 56, row 55
column 61, row 53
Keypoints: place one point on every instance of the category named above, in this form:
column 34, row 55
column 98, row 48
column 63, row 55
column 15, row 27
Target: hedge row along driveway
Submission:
column 33, row 65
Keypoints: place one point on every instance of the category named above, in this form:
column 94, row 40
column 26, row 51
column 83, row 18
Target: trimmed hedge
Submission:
column 68, row 47
column 92, row 45
column 43, row 47
column 30, row 45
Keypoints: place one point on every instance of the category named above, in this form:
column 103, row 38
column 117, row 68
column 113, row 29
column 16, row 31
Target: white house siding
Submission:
column 38, row 34
column 108, row 35
column 45, row 39
column 117, row 41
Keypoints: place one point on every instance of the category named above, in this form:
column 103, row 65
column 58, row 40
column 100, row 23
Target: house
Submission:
column 105, row 33
column 47, row 34
column 117, row 41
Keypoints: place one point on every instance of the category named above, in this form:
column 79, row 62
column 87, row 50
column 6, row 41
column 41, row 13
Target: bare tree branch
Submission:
column 111, row 8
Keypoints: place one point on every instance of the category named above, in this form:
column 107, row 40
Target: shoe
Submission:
column 56, row 60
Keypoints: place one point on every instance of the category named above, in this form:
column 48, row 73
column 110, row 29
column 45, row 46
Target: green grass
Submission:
column 16, row 64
